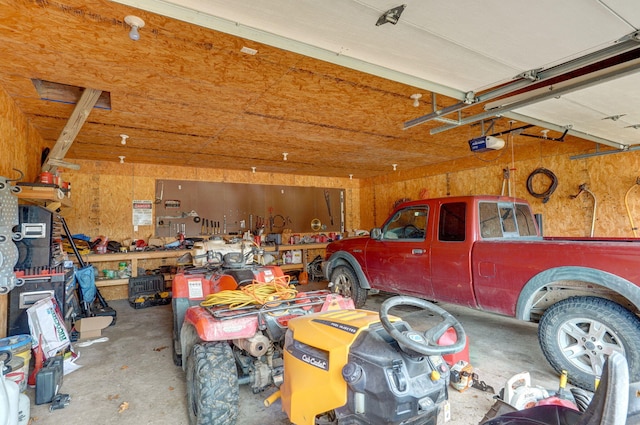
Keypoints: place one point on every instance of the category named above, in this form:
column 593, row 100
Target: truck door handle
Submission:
column 417, row 251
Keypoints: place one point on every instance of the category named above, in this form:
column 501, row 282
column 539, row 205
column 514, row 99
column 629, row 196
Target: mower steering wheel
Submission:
column 427, row 343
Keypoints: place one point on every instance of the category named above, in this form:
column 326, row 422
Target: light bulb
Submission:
column 135, row 23
column 134, row 34
column 416, row 99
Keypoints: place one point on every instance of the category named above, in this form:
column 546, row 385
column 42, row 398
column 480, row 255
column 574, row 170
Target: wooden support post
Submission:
column 76, row 121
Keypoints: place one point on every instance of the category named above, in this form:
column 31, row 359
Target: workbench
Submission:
column 121, row 286
column 304, row 247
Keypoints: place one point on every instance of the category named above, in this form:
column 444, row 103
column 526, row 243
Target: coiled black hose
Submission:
column 547, row 193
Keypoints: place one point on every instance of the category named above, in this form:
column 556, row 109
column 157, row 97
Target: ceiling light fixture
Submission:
column 253, row 170
column 248, row 50
column 391, row 16
column 350, row 176
column 124, row 139
column 135, row 23
column 416, row 99
column 122, row 159
column 284, row 155
column 395, row 166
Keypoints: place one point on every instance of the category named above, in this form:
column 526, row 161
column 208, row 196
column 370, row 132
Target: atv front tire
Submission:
column 212, row 385
column 346, row 283
column 577, row 335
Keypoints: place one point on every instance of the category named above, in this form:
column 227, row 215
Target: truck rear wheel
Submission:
column 212, row 385
column 577, row 334
column 345, row 282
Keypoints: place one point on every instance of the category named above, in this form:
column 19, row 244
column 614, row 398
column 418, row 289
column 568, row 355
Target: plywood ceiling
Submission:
column 327, row 86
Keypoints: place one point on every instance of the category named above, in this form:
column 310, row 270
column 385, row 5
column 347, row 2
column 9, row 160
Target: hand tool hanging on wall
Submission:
column 159, row 200
column 327, row 198
column 626, row 204
column 506, row 181
column 583, row 188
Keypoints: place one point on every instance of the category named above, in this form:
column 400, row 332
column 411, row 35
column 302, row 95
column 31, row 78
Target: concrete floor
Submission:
column 131, row 379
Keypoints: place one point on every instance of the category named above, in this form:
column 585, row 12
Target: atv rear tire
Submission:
column 346, row 283
column 212, row 385
column 577, row 334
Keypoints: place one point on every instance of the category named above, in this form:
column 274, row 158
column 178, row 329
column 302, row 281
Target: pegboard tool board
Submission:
column 208, row 208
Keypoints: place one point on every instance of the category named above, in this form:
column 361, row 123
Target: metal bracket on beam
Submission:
column 469, row 98
column 530, row 75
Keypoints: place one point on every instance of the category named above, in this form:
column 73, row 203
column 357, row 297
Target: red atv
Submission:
column 221, row 347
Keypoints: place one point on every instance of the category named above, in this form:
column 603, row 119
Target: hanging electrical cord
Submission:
column 547, row 193
column 256, row 293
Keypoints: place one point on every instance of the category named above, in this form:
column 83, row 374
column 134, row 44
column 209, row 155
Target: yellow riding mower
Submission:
column 360, row 367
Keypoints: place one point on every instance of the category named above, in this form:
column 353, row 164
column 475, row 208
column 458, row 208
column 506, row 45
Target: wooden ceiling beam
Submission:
column 72, row 128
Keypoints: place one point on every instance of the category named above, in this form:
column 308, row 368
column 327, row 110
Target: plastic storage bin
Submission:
column 148, row 291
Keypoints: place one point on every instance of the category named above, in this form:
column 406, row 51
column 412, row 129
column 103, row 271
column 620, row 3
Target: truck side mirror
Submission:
column 376, row 233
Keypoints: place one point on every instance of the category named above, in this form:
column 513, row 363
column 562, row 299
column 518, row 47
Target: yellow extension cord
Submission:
column 254, row 293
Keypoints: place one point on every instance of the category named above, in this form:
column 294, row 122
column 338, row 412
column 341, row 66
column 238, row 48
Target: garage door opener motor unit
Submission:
column 485, row 144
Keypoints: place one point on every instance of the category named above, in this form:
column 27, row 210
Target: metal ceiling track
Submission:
column 530, row 79
column 555, row 90
column 560, row 129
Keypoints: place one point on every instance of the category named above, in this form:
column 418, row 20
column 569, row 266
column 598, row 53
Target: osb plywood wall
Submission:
column 20, row 146
column 609, row 177
column 102, row 193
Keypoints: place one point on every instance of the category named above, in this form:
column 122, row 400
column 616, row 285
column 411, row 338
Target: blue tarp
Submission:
column 86, row 278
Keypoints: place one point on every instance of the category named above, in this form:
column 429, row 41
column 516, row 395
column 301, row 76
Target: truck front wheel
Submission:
column 212, row 385
column 345, row 282
column 577, row 334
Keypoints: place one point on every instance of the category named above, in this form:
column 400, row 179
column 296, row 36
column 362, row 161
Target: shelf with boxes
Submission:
column 118, row 288
column 299, row 254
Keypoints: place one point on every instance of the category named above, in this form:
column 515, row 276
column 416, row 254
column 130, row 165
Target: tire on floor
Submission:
column 578, row 333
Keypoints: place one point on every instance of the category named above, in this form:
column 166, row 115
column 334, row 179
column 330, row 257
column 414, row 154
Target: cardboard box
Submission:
column 91, row 327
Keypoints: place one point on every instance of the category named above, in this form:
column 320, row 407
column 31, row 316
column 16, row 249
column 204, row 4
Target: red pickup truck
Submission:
column 487, row 253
